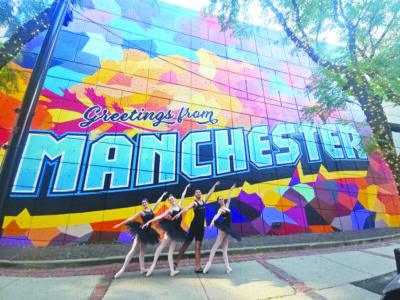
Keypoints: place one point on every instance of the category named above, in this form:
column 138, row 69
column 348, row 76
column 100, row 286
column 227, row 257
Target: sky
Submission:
column 255, row 17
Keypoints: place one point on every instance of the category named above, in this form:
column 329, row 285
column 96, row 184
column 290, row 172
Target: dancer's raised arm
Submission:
column 138, row 215
column 158, row 201
column 230, row 195
column 183, row 195
column 211, row 191
column 215, row 218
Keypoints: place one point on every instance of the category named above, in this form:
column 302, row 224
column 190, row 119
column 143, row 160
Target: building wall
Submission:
column 142, row 99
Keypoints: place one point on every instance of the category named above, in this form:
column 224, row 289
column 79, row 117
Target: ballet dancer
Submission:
column 173, row 232
column 224, row 230
column 196, row 230
column 143, row 237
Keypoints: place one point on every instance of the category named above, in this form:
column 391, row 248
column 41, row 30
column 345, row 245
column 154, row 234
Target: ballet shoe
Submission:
column 144, row 271
column 228, row 270
column 118, row 274
column 206, row 268
column 173, row 273
column 149, row 272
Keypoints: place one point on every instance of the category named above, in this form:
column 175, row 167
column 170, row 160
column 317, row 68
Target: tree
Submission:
column 364, row 67
column 24, row 20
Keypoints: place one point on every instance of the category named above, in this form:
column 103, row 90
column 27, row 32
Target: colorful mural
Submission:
column 143, row 98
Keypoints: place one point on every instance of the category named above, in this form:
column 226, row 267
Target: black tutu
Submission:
column 228, row 230
column 174, row 230
column 147, row 235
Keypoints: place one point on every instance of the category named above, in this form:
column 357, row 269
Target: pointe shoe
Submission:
column 149, row 272
column 144, row 271
column 173, row 273
column 228, row 270
column 206, row 268
column 118, row 274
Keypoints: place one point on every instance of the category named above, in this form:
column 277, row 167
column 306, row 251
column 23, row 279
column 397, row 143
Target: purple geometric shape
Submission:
column 21, row 241
column 341, row 210
column 124, row 237
column 295, row 197
column 358, row 206
column 63, row 239
column 348, row 188
column 251, row 199
column 259, row 224
column 298, row 215
column 324, row 195
column 331, row 187
column 245, row 229
column 210, row 233
column 295, row 180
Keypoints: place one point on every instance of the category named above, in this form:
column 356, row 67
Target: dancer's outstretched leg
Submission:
column 173, row 272
column 128, row 257
column 214, row 248
column 181, row 252
column 164, row 243
column 141, row 258
column 225, row 244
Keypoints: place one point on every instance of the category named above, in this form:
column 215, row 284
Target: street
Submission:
column 332, row 273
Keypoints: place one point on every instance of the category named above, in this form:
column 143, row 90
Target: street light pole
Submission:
column 26, row 112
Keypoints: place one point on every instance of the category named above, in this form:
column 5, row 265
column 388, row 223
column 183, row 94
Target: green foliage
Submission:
column 9, row 79
column 15, row 13
column 362, row 67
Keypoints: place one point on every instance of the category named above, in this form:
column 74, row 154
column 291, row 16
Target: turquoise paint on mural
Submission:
column 107, row 5
column 60, row 71
column 305, row 190
column 128, row 26
column 56, row 85
column 98, row 46
column 281, row 190
column 232, row 53
column 284, row 87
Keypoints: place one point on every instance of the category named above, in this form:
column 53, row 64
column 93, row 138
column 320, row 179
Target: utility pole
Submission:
column 26, row 112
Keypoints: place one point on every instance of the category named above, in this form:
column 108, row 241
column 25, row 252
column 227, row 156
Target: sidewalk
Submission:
column 108, row 253
column 347, row 272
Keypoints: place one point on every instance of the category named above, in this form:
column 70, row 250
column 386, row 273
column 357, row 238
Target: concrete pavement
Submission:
column 331, row 273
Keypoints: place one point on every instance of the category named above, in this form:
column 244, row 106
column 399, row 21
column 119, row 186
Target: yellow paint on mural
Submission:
column 341, row 174
column 307, row 178
column 271, row 198
column 392, row 220
column 24, row 220
column 379, row 207
column 62, row 115
column 368, row 197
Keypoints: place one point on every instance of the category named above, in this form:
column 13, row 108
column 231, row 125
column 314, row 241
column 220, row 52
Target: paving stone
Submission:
column 74, row 288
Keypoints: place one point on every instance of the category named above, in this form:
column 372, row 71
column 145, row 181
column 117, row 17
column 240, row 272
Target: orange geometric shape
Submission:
column 286, row 203
column 321, row 228
column 106, row 225
column 42, row 236
column 13, row 229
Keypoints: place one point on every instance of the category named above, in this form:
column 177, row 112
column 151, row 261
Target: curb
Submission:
column 85, row 262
